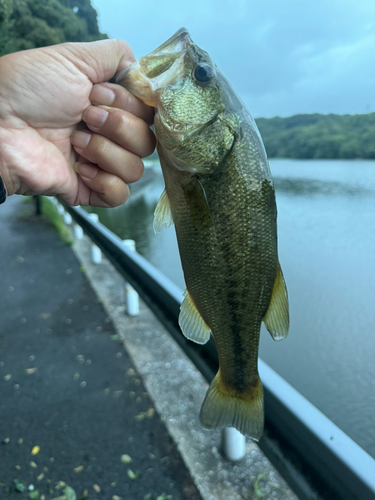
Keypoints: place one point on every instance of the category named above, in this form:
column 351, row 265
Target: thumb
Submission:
column 101, row 60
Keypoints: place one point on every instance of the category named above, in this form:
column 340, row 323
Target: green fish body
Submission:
column 219, row 193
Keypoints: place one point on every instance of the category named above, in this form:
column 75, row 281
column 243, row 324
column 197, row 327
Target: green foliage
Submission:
column 51, row 215
column 319, row 136
column 26, row 24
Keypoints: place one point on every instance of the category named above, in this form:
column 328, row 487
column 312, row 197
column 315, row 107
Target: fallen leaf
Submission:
column 33, row 465
column 96, row 488
column 126, row 459
column 35, row 450
column 34, row 494
column 133, row 475
column 19, row 485
column 79, row 469
column 145, row 414
column 8, row 377
column 69, row 493
column 30, row 371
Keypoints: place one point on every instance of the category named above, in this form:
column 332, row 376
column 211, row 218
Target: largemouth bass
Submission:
column 219, row 193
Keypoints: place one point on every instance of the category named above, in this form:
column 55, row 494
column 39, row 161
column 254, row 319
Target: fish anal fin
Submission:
column 277, row 315
column 163, row 215
column 191, row 322
column 223, row 408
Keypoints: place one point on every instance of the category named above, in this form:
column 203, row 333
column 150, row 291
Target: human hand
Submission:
column 45, row 148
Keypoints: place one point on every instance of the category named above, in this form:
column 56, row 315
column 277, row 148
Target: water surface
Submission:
column 327, row 251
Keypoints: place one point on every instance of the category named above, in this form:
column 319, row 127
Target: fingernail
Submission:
column 80, row 139
column 86, row 170
column 95, row 117
column 102, row 95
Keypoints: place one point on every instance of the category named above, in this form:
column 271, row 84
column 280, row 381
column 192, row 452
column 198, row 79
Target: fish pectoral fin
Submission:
column 277, row 315
column 191, row 322
column 163, row 215
column 244, row 412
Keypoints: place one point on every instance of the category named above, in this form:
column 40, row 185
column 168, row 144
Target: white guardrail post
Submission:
column 67, row 218
column 234, row 444
column 131, row 296
column 96, row 253
column 78, row 231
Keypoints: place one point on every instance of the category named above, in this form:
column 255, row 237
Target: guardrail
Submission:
column 308, row 449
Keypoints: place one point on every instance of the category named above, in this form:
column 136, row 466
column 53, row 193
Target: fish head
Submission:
column 195, row 122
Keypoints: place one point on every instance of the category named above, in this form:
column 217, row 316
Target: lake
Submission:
column 326, row 233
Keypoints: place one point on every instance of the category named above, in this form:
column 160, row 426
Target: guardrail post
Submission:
column 38, row 204
column 233, row 444
column 131, row 296
column 67, row 218
column 96, row 253
column 78, row 231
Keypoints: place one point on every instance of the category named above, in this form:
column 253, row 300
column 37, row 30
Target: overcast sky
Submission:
column 283, row 57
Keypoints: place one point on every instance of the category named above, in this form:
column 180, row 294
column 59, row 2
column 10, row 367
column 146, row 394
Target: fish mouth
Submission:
column 145, row 77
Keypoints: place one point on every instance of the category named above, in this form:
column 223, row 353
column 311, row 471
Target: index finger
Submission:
column 110, row 94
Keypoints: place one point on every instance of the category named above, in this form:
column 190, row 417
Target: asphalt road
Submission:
column 74, row 414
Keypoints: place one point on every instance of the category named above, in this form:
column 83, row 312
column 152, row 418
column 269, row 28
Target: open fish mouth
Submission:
column 157, row 69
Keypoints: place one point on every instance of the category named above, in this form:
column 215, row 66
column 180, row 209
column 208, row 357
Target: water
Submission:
column 327, row 252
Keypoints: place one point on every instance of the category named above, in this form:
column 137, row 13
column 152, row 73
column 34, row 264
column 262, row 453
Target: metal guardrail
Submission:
column 340, row 467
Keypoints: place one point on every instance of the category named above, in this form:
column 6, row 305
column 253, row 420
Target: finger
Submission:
column 108, row 94
column 99, row 60
column 107, row 190
column 108, row 155
column 121, row 127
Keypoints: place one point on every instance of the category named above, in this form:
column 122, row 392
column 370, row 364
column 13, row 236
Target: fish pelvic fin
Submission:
column 163, row 215
column 277, row 315
column 191, row 322
column 225, row 408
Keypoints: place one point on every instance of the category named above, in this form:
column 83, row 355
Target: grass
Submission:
column 50, row 215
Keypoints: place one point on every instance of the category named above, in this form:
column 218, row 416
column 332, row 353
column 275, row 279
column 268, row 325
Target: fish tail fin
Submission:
column 224, row 408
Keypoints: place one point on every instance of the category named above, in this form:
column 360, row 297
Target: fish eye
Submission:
column 203, row 73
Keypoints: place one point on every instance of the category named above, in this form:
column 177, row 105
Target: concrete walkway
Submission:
column 74, row 414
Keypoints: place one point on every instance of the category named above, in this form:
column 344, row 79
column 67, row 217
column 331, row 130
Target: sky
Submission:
column 283, row 57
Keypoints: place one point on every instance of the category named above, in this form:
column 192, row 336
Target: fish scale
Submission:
column 219, row 193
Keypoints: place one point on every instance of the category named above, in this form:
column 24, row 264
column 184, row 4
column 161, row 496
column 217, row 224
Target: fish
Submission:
column 219, row 194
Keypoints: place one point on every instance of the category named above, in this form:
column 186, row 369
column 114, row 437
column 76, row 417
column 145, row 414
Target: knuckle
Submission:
column 136, row 170
column 99, row 146
column 119, row 192
column 150, row 143
column 123, row 123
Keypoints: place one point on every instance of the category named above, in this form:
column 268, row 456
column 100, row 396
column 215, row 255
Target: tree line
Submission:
column 27, row 24
column 319, row 136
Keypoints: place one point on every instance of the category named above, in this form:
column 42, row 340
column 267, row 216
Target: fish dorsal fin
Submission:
column 163, row 215
column 191, row 322
column 277, row 315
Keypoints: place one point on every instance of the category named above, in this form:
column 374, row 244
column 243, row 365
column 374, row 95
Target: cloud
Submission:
column 282, row 56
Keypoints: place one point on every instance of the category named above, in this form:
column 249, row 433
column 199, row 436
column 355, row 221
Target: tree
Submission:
column 26, row 24
column 319, row 136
